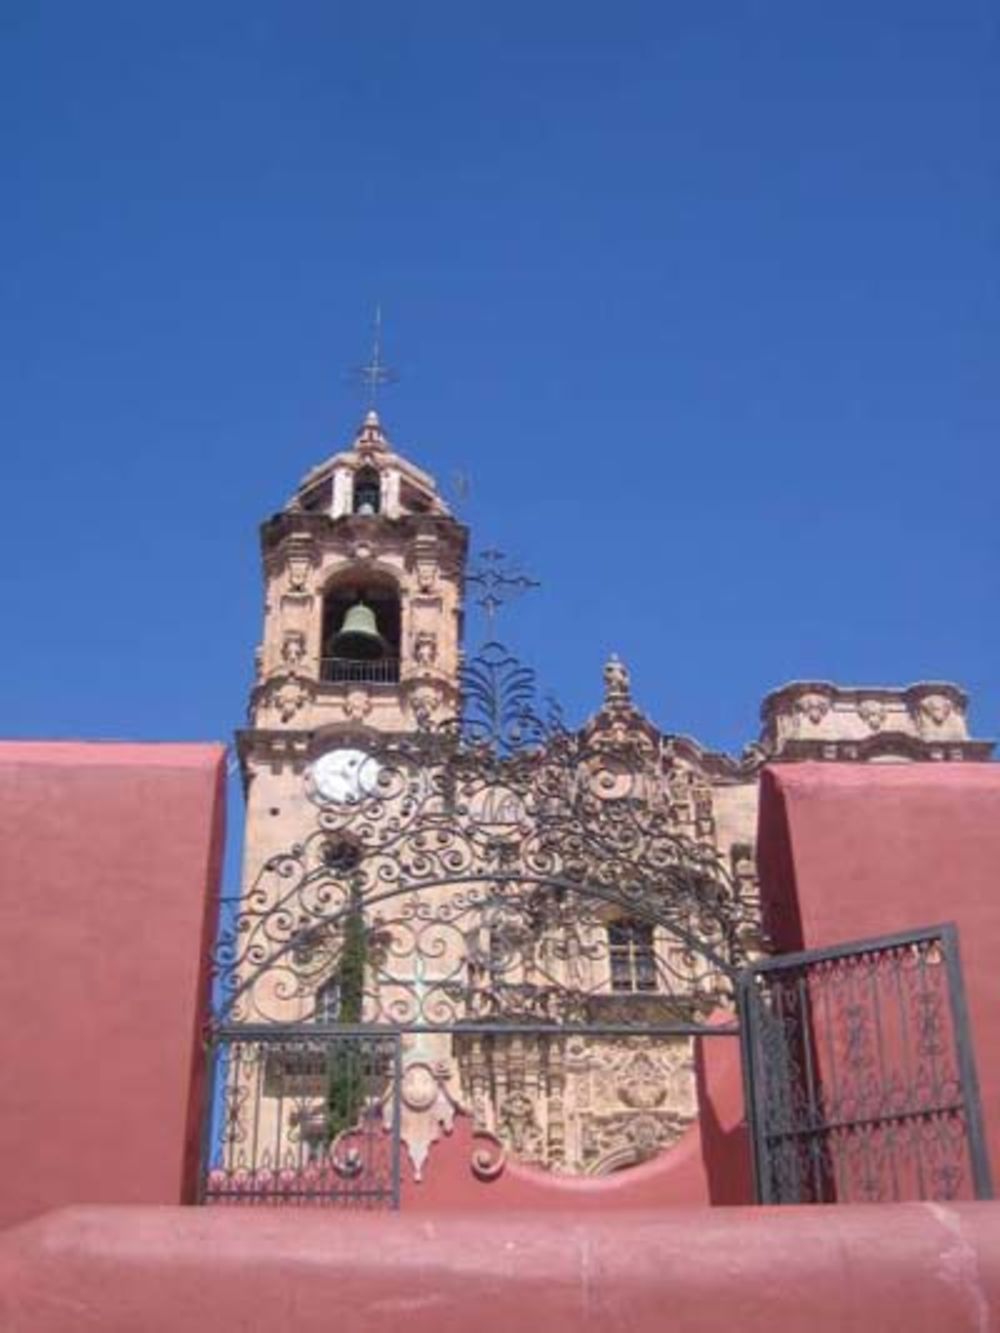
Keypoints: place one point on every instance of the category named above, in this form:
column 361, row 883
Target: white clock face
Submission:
column 344, row 776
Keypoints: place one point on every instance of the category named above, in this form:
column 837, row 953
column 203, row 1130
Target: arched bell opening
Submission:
column 361, row 632
column 367, row 494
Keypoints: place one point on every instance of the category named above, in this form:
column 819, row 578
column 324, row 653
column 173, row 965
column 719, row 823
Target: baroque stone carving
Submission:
column 936, row 709
column 426, row 1110
column 293, row 649
column 617, row 684
column 426, row 575
column 357, row 704
column 425, row 702
column 425, row 648
column 299, row 569
column 518, row 1124
column 872, row 713
column 812, row 707
column 289, row 697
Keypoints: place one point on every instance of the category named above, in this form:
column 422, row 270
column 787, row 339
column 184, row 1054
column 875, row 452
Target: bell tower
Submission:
column 363, row 578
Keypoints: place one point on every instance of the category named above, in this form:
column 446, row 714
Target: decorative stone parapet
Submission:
column 823, row 720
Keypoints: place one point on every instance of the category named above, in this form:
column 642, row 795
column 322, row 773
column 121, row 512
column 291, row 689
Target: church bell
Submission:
column 358, row 636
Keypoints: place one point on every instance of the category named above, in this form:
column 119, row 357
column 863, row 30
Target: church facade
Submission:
column 541, row 918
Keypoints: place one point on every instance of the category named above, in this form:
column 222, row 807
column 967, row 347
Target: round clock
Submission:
column 344, row 776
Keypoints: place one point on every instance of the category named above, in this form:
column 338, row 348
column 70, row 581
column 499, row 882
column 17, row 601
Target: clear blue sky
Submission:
column 702, row 296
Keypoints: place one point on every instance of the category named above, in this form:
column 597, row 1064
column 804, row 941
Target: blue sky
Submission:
column 701, row 297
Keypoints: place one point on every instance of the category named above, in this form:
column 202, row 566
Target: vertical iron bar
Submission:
column 981, row 1175
column 756, row 1113
column 880, row 1048
column 854, row 1001
column 397, row 1093
column 834, row 1106
column 212, row 1052
column 812, row 1109
column 910, row 1099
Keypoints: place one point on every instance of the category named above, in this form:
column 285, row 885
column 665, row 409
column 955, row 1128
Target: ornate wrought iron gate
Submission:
column 304, row 1115
column 859, row 1073
column 504, row 903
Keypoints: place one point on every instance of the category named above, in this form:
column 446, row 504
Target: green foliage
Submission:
column 345, row 1065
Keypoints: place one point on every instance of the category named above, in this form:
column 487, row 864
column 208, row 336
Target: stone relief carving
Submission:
column 936, row 709
column 612, row 1141
column 357, row 704
column 812, row 707
column 293, row 649
column 518, row 1125
column 426, row 1110
column 617, row 683
column 299, row 569
column 427, row 574
column 872, row 713
column 425, row 648
column 425, row 701
column 289, row 697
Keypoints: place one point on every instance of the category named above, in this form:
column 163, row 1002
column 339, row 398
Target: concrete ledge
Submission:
column 160, row 1270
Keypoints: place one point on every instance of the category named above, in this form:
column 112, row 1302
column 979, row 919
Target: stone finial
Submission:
column 617, row 685
column 371, row 436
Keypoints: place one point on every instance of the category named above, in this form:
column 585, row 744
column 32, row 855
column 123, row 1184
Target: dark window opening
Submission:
column 367, row 491
column 632, row 955
column 328, row 1002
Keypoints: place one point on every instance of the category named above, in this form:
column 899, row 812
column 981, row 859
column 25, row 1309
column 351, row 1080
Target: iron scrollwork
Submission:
column 859, row 1075
column 487, row 857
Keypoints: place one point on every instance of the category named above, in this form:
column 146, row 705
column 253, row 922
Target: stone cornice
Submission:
column 887, row 746
column 324, row 530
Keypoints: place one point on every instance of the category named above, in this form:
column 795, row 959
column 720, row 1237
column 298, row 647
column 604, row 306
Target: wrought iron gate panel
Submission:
column 859, row 1073
column 304, row 1116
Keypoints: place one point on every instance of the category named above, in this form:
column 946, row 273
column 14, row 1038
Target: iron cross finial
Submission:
column 497, row 582
column 376, row 373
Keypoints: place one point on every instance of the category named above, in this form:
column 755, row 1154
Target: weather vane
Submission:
column 376, row 373
column 497, row 582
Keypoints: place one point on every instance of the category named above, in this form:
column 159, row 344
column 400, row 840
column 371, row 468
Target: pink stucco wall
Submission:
column 849, row 851
column 109, row 870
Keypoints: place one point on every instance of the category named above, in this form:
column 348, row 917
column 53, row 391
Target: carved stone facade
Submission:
column 368, row 525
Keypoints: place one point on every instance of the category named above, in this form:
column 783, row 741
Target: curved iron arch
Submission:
column 492, row 850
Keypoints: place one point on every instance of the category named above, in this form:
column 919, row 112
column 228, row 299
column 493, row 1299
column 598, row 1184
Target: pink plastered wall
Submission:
column 109, row 872
column 851, row 851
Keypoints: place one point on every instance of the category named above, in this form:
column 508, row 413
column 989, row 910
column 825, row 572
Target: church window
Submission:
column 367, row 491
column 328, row 1002
column 632, row 956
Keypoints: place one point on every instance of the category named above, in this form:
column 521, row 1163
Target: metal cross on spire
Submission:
column 376, row 373
column 497, row 582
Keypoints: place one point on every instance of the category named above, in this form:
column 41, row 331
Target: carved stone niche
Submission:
column 300, row 561
column 293, row 649
column 425, row 648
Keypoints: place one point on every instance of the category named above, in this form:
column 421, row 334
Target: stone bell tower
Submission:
column 363, row 578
